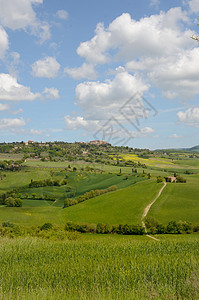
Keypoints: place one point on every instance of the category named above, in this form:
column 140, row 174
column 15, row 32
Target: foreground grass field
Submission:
column 100, row 267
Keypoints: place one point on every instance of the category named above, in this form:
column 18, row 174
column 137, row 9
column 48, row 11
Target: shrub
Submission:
column 159, row 179
column 46, row 226
column 18, row 202
column 9, row 202
column 180, row 179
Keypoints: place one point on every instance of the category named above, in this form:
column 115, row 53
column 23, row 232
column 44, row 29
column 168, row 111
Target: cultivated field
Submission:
column 100, row 267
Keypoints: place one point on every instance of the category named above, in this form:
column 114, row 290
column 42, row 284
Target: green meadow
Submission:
column 57, row 264
column 100, row 267
column 178, row 202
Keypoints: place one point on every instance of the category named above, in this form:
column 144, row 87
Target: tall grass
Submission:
column 99, row 268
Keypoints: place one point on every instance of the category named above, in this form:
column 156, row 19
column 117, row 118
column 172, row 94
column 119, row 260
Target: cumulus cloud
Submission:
column 36, row 131
column 150, row 36
column 19, row 14
column 158, row 47
column 155, row 50
column 51, row 93
column 194, row 6
column 4, row 44
column 62, row 14
column 85, row 71
column 100, row 100
column 75, row 123
column 11, row 123
column 47, row 67
column 3, row 107
column 179, row 77
column 189, row 117
column 11, row 90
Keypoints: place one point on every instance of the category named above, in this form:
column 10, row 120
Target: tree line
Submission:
column 88, row 195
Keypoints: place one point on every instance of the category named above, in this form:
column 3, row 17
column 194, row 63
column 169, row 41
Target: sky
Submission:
column 123, row 71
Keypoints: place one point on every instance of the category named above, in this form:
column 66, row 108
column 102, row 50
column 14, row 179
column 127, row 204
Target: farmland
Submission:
column 58, row 263
column 102, row 267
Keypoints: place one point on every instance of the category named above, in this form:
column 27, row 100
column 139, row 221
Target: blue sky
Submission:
column 125, row 71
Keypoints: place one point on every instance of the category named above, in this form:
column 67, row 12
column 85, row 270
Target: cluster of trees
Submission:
column 34, row 196
column 102, row 228
column 13, row 194
column 46, row 182
column 13, row 202
column 173, row 227
column 179, row 179
column 88, row 195
column 10, row 165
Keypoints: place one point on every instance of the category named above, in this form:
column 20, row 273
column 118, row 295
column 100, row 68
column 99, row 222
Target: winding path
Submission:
column 146, row 210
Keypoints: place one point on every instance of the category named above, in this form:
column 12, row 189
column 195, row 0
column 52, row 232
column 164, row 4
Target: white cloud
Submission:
column 51, row 93
column 16, row 14
column 157, row 47
column 75, row 123
column 152, row 36
column 47, row 67
column 3, row 107
column 194, row 6
column 11, row 90
column 175, row 136
column 146, row 130
column 155, row 3
column 190, row 116
column 100, row 100
column 36, row 131
column 62, row 14
column 3, row 42
column 85, row 71
column 93, row 50
column 19, row 14
column 179, row 76
column 41, row 30
column 11, row 123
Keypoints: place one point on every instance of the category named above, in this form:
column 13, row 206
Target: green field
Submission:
column 119, row 207
column 100, row 267
column 178, row 202
column 122, row 206
column 37, row 263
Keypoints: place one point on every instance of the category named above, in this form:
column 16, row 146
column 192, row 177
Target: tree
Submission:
column 9, row 202
column 13, row 202
column 18, row 202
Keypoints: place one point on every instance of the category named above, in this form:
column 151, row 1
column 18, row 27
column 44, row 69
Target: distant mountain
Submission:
column 193, row 149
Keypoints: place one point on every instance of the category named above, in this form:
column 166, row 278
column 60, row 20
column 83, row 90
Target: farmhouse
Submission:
column 172, row 179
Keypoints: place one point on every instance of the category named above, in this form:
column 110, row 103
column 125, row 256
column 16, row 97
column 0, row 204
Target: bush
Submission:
column 46, row 226
column 159, row 179
column 180, row 179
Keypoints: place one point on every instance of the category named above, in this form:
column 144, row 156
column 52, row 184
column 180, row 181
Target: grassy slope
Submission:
column 178, row 202
column 123, row 206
